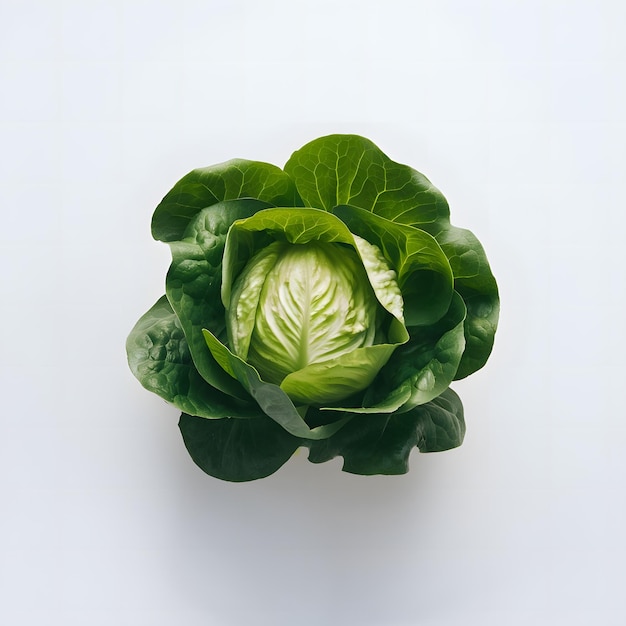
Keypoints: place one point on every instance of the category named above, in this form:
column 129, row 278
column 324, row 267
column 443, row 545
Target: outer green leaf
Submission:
column 204, row 187
column 442, row 423
column 194, row 281
column 237, row 450
column 475, row 282
column 271, row 398
column 424, row 273
column 159, row 358
column 348, row 169
column 424, row 367
column 381, row 444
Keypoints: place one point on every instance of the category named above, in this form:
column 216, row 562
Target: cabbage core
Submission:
column 295, row 305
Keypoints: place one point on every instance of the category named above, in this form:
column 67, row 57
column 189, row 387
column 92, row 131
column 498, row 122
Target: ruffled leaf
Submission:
column 237, row 450
column 159, row 358
column 475, row 282
column 381, row 444
column 203, row 187
column 348, row 169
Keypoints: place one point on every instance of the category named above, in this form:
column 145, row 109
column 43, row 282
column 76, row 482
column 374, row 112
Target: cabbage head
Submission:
column 326, row 305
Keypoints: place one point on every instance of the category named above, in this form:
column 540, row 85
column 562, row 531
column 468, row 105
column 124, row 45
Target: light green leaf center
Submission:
column 298, row 305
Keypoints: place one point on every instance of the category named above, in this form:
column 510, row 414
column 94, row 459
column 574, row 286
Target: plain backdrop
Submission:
column 514, row 109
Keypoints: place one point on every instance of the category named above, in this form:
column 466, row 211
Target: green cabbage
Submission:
column 329, row 305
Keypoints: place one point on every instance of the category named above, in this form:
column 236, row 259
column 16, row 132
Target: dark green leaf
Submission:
column 237, row 450
column 424, row 273
column 348, row 169
column 159, row 357
column 475, row 282
column 425, row 366
column 381, row 444
column 204, row 187
column 194, row 280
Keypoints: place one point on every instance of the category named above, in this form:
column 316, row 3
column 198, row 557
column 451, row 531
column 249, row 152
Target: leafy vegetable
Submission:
column 328, row 305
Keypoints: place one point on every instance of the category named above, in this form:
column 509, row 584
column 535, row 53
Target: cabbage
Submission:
column 329, row 304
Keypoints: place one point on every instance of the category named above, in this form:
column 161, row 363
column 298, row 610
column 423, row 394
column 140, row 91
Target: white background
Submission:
column 514, row 109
